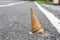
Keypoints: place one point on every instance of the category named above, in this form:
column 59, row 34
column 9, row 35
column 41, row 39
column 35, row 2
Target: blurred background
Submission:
column 39, row 1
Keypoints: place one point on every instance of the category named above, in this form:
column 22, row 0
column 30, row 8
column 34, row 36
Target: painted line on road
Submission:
column 11, row 4
column 54, row 20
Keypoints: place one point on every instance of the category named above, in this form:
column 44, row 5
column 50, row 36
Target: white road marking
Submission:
column 11, row 4
column 54, row 20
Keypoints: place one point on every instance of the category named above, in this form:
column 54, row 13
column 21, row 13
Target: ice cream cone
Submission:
column 36, row 26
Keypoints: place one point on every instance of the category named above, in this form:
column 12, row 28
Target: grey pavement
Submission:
column 55, row 9
column 8, row 2
column 15, row 23
column 11, row 0
column 16, row 0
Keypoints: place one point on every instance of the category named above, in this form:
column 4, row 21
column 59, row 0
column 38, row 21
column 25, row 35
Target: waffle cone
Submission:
column 36, row 26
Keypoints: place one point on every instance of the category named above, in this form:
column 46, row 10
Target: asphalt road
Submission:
column 55, row 9
column 8, row 2
column 11, row 0
column 15, row 23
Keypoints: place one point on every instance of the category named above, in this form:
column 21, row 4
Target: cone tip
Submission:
column 31, row 9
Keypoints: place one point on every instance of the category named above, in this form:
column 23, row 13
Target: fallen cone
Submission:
column 36, row 26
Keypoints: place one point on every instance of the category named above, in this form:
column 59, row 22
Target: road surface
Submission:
column 55, row 9
column 15, row 23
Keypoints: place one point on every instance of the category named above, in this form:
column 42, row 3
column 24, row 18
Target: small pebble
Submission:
column 11, row 24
